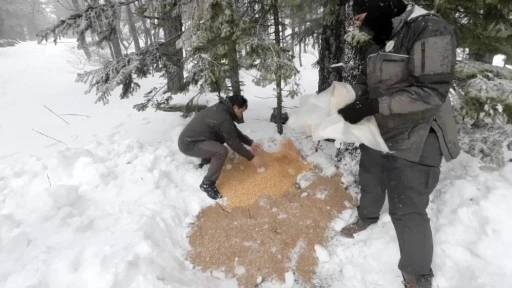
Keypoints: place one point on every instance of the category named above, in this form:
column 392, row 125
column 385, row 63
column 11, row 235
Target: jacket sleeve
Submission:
column 432, row 56
column 231, row 135
column 244, row 138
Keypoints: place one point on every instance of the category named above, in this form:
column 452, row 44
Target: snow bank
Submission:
column 111, row 208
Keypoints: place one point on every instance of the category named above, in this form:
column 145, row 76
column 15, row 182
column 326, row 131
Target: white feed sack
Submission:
column 317, row 116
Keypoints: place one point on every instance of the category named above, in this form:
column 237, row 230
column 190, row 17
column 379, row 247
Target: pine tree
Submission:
column 102, row 20
column 332, row 45
column 484, row 26
column 231, row 35
column 21, row 19
column 171, row 23
column 216, row 37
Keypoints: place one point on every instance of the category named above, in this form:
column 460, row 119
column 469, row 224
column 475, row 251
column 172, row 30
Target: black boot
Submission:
column 356, row 227
column 204, row 162
column 424, row 281
column 210, row 189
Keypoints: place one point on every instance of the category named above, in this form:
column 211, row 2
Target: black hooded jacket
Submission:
column 217, row 123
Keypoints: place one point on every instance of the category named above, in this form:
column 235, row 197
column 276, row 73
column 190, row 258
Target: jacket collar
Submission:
column 230, row 110
column 412, row 12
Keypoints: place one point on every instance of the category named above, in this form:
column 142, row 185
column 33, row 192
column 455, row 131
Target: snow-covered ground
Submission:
column 110, row 204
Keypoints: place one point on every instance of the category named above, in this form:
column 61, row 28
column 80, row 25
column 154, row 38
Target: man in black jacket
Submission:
column 205, row 134
column 405, row 85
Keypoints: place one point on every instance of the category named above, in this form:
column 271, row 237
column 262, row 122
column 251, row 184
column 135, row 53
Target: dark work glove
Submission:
column 355, row 112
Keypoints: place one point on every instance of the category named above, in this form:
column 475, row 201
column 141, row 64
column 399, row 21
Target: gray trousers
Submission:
column 207, row 150
column 408, row 186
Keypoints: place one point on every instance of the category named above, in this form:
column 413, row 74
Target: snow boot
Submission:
column 411, row 281
column 204, row 162
column 211, row 190
column 356, row 227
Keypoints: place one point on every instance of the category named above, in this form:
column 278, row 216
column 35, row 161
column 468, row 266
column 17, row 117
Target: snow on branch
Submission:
column 121, row 72
column 100, row 19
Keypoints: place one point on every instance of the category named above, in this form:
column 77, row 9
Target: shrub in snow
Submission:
column 8, row 42
column 482, row 98
column 487, row 93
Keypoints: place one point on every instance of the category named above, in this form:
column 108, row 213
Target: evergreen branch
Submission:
column 149, row 98
column 99, row 17
column 121, row 72
column 65, row 7
column 80, row 23
column 152, row 17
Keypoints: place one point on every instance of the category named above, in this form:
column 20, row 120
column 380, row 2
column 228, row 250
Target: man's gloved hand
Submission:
column 356, row 111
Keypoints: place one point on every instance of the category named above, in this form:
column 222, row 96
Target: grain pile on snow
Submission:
column 241, row 184
column 274, row 240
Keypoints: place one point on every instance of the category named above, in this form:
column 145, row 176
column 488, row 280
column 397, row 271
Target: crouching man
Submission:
column 205, row 135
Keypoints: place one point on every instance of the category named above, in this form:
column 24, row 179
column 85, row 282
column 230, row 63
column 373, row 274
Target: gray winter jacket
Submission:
column 216, row 123
column 411, row 77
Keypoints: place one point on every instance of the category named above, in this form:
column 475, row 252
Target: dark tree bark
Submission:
column 279, row 96
column 292, row 36
column 332, row 44
column 480, row 56
column 172, row 27
column 234, row 69
column 82, row 42
column 133, row 29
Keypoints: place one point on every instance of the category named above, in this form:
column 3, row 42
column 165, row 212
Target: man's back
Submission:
column 205, row 125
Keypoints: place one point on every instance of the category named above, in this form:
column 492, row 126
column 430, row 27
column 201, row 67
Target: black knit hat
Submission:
column 359, row 6
column 393, row 8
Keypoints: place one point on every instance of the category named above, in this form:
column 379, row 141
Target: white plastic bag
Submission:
column 318, row 117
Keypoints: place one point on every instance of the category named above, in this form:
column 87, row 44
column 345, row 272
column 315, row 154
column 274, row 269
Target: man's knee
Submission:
column 409, row 216
column 411, row 206
column 223, row 151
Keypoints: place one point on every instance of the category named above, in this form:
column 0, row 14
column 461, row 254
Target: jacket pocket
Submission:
column 433, row 56
column 388, row 70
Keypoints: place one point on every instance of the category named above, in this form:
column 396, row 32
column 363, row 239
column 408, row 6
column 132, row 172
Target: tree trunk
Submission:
column 266, row 28
column 82, row 41
column 2, row 25
column 354, row 57
column 172, row 27
column 283, row 32
column 112, row 55
column 305, row 43
column 156, row 27
column 133, row 29
column 234, row 69
column 116, row 46
column 300, row 54
column 31, row 24
column 292, row 36
column 148, row 39
column 119, row 32
column 480, row 56
column 279, row 96
column 114, row 39
column 332, row 50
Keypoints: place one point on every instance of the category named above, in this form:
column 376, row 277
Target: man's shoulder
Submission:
column 423, row 19
column 217, row 113
column 430, row 25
